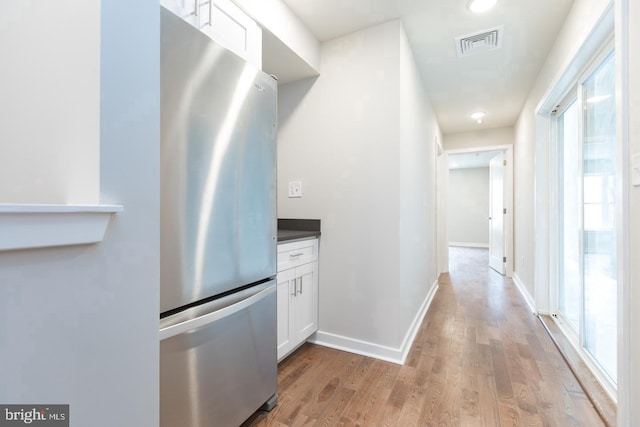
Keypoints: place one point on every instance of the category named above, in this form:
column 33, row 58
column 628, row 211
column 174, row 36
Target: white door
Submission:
column 306, row 300
column 496, row 214
column 286, row 283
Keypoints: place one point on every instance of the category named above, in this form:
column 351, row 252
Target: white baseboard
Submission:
column 525, row 293
column 377, row 351
column 469, row 245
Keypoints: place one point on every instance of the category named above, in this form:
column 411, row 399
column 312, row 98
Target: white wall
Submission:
column 479, row 138
column 79, row 325
column 468, row 207
column 581, row 19
column 340, row 134
column 50, row 90
column 419, row 131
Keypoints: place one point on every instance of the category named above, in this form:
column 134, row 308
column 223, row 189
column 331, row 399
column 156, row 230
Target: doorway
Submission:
column 476, row 205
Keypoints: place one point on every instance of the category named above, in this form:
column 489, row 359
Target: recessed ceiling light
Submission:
column 477, row 116
column 480, row 6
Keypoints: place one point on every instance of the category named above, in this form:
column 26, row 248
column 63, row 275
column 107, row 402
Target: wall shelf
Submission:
column 40, row 226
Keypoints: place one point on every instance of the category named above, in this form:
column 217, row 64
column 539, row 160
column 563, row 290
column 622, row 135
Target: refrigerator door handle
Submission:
column 173, row 330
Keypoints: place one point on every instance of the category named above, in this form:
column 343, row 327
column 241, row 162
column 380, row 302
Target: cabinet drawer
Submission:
column 297, row 253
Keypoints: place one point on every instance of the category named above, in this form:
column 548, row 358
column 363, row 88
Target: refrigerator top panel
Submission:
column 218, row 175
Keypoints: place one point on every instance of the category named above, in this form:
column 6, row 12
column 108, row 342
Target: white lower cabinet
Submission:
column 297, row 296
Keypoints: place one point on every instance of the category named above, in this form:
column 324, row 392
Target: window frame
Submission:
column 575, row 92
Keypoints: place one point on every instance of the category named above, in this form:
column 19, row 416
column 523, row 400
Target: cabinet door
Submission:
column 306, row 301
column 286, row 340
column 185, row 9
column 227, row 24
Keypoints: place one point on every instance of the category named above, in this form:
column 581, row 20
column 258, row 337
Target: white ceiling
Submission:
column 496, row 82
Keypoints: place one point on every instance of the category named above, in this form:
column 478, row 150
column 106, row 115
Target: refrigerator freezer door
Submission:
column 222, row 370
column 218, row 176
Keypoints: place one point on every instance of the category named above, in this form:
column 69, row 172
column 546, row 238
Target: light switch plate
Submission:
column 635, row 170
column 295, row 189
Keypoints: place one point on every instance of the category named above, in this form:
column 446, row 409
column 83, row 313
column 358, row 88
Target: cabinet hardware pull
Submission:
column 295, row 287
column 196, row 11
column 292, row 256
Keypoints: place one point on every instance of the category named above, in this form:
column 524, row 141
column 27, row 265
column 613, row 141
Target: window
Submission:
column 569, row 268
column 587, row 229
column 599, row 245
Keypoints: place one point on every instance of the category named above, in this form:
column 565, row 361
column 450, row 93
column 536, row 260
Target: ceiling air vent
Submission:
column 479, row 42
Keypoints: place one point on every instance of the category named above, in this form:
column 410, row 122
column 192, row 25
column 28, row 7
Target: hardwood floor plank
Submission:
column 501, row 372
column 375, row 405
column 480, row 358
column 336, row 406
column 356, row 407
column 434, row 389
column 509, row 416
column 358, row 376
column 527, row 406
column 397, row 398
column 324, row 388
column 489, row 412
column 364, row 407
column 482, row 333
column 412, row 407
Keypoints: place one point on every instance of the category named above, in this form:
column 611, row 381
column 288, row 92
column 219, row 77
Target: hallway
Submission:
column 480, row 359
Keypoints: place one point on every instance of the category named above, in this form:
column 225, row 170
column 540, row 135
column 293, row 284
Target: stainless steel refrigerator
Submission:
column 218, row 238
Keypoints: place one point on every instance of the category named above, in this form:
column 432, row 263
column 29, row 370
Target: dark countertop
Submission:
column 294, row 229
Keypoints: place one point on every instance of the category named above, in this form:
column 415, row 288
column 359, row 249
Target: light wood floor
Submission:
column 480, row 359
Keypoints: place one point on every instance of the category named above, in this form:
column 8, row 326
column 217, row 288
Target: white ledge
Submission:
column 40, row 226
